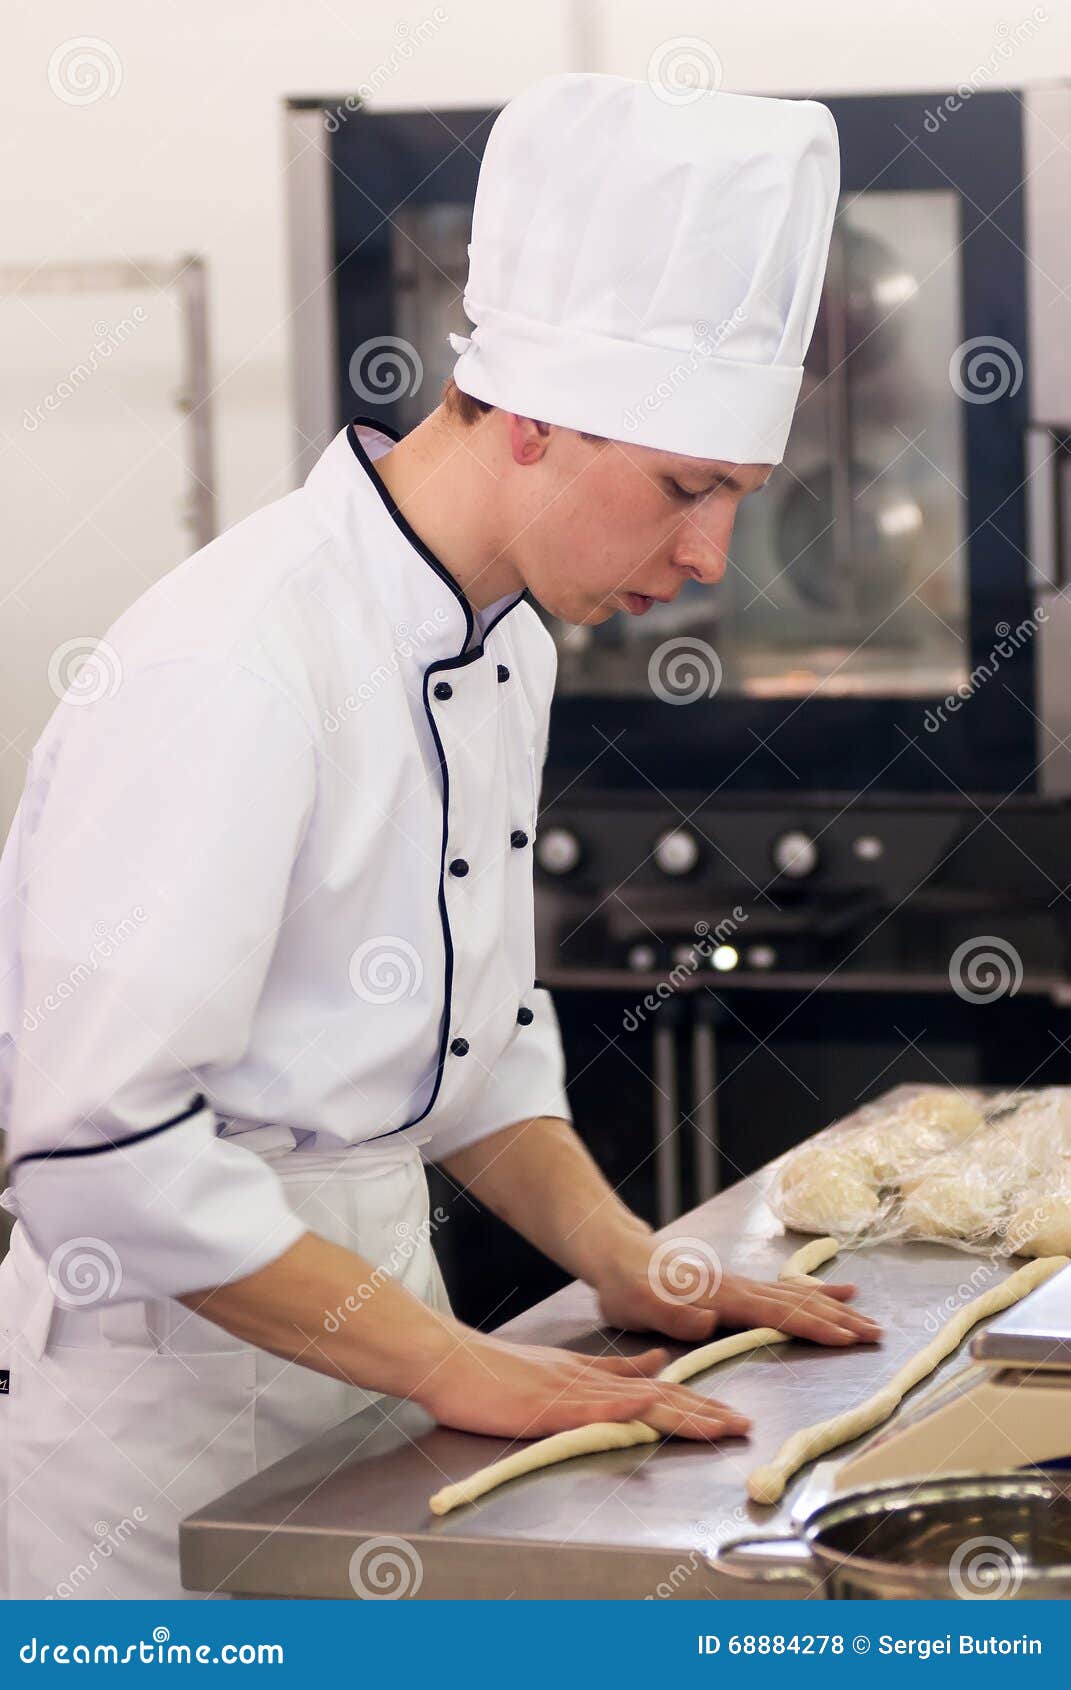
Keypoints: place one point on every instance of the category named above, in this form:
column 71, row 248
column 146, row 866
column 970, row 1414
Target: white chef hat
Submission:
column 649, row 270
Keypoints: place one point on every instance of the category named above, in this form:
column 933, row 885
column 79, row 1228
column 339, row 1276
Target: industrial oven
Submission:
column 809, row 834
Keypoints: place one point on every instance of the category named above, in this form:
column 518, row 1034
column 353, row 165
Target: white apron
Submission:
column 121, row 1420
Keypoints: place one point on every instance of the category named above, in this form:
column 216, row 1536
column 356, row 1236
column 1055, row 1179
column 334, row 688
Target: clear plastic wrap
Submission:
column 991, row 1174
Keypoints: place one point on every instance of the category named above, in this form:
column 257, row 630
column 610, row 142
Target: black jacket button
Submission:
column 503, row 672
column 459, row 1047
column 518, row 839
column 443, row 690
column 459, row 867
column 525, row 1016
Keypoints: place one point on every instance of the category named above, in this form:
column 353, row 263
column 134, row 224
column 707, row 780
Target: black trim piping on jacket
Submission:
column 118, row 1144
column 444, row 665
column 460, row 662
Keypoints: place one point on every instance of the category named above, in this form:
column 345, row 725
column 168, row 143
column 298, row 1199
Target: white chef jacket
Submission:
column 271, row 874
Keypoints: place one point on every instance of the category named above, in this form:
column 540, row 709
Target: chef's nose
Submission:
column 703, row 563
column 701, row 546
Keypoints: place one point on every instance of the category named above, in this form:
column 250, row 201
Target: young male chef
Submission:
column 268, row 892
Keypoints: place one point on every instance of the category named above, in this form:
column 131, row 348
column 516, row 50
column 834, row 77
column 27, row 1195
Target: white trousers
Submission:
column 120, row 1420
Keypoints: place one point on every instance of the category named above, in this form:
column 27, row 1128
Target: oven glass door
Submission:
column 871, row 579
column 846, row 573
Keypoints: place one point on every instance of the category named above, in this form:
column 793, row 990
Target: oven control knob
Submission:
column 761, row 956
column 795, row 854
column 557, row 850
column 643, row 958
column 676, row 852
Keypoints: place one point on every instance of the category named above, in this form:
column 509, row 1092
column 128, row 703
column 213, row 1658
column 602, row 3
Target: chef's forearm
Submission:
column 330, row 1309
column 538, row 1176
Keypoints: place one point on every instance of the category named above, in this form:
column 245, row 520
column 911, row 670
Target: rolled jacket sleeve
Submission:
column 157, row 836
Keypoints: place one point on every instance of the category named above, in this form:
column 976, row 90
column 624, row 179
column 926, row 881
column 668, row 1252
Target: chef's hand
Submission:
column 637, row 1300
column 528, row 1391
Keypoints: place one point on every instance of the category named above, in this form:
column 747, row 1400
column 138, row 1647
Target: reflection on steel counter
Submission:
column 628, row 1524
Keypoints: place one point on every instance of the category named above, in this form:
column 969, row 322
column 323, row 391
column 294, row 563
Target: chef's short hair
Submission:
column 469, row 410
column 462, row 405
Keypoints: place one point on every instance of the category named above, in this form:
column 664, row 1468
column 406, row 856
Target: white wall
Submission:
column 185, row 155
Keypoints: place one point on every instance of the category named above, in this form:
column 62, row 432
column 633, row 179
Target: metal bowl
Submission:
column 993, row 1536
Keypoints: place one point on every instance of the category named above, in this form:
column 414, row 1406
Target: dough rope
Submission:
column 766, row 1484
column 602, row 1435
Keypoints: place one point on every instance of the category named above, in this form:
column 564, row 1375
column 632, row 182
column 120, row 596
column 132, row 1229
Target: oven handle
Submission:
column 1048, row 459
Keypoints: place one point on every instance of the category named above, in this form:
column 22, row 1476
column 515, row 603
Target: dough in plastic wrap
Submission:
column 923, row 1127
column 1033, row 1134
column 950, row 1205
column 826, row 1189
column 1041, row 1226
column 991, row 1175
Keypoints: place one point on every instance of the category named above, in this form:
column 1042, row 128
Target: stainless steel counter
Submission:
column 630, row 1523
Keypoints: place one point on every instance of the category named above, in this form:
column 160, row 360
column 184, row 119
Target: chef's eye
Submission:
column 682, row 492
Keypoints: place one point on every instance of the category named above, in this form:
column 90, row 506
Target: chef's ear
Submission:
column 528, row 438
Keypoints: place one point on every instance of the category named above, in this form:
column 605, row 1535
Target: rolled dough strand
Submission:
column 602, row 1435
column 767, row 1483
column 797, row 1267
column 808, row 1257
column 546, row 1452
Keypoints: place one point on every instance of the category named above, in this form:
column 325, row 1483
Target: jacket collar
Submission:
column 360, row 508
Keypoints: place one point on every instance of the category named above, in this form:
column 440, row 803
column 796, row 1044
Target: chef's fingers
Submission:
column 571, row 1408
column 705, row 1415
column 843, row 1293
column 696, row 1417
column 690, row 1401
column 708, row 1421
column 681, row 1400
column 810, row 1315
column 689, row 1324
column 852, row 1320
column 829, row 1308
column 648, row 1362
column 805, row 1321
